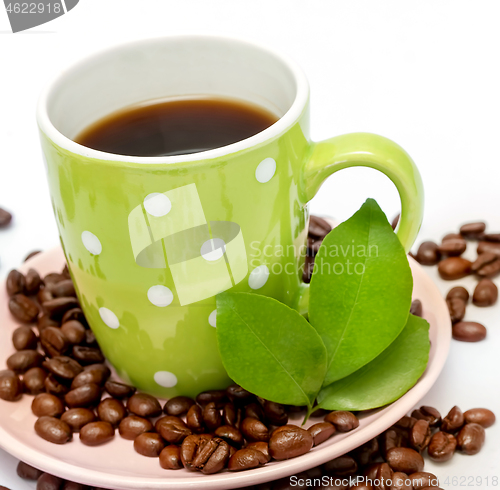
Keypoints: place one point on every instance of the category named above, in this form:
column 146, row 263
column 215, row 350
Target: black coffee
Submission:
column 176, row 127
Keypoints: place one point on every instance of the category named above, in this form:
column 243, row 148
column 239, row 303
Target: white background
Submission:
column 425, row 74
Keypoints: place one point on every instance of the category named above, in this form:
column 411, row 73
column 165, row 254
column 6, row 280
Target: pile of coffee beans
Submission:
column 395, row 456
column 58, row 361
column 452, row 266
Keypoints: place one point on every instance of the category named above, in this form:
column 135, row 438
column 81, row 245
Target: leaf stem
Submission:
column 310, row 410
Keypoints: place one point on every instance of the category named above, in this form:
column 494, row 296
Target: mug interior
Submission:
column 169, row 67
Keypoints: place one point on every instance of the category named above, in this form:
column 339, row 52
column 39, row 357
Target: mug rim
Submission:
column 272, row 132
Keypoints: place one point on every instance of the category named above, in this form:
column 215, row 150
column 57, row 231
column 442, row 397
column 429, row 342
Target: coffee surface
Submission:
column 176, row 126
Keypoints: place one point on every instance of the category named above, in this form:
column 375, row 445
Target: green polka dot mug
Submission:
column 150, row 241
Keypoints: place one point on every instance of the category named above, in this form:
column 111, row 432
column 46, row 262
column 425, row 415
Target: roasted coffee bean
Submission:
column 245, row 459
column 254, row 410
column 488, row 247
column 23, row 360
column 420, row 435
column 482, row 416
column 83, row 396
column 400, row 481
column 318, row 227
column 96, row 376
column 308, row 269
column 239, row 396
column 211, row 416
column 87, row 355
column 53, row 341
column 53, row 278
column 451, row 236
column 416, row 308
column 194, row 419
column 458, row 292
column 469, row 331
column 71, row 485
column 55, row 386
column 16, row 283
column 391, row 438
column 49, row 482
column 229, row 414
column 47, row 404
column 383, row 476
column 290, row 442
column 454, row 268
column 11, row 388
column 23, row 309
column 119, row 390
column 144, row 405
column 423, row 479
column 214, row 396
column 261, row 446
column 178, row 405
column 470, row 439
column 5, row 218
column 63, row 289
column 34, row 380
column 366, row 453
column 395, row 222
column 321, row 432
column 453, row 421
column 132, row 426
column 112, row 411
column 428, row 253
column 491, row 237
column 73, row 331
column 254, row 430
column 43, row 296
column 405, row 460
column 453, row 247
column 483, row 260
column 58, row 306
column 430, row 414
column 486, row 293
column 33, row 282
column 190, row 446
column 473, row 230
column 490, row 270
column 77, row 418
column 275, row 413
column 45, row 321
column 90, row 339
column 407, row 422
column 27, row 472
column 456, row 307
column 343, row 421
column 53, row 430
column 442, row 446
column 149, row 444
column 170, row 458
column 230, row 434
column 75, row 314
column 96, row 433
column 172, row 429
column 212, row 457
column 63, row 367
column 313, row 245
column 341, row 467
column 24, row 338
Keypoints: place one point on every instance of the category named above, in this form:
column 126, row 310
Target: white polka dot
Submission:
column 265, row 170
column 213, row 249
column 109, row 318
column 160, row 295
column 212, row 319
column 91, row 243
column 165, row 379
column 157, row 204
column 258, row 277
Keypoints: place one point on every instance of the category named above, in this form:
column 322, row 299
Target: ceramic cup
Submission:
column 150, row 241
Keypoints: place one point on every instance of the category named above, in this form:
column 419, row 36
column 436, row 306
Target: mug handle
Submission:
column 374, row 151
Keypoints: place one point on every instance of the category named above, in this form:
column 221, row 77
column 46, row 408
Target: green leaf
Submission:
column 386, row 378
column 269, row 349
column 360, row 291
